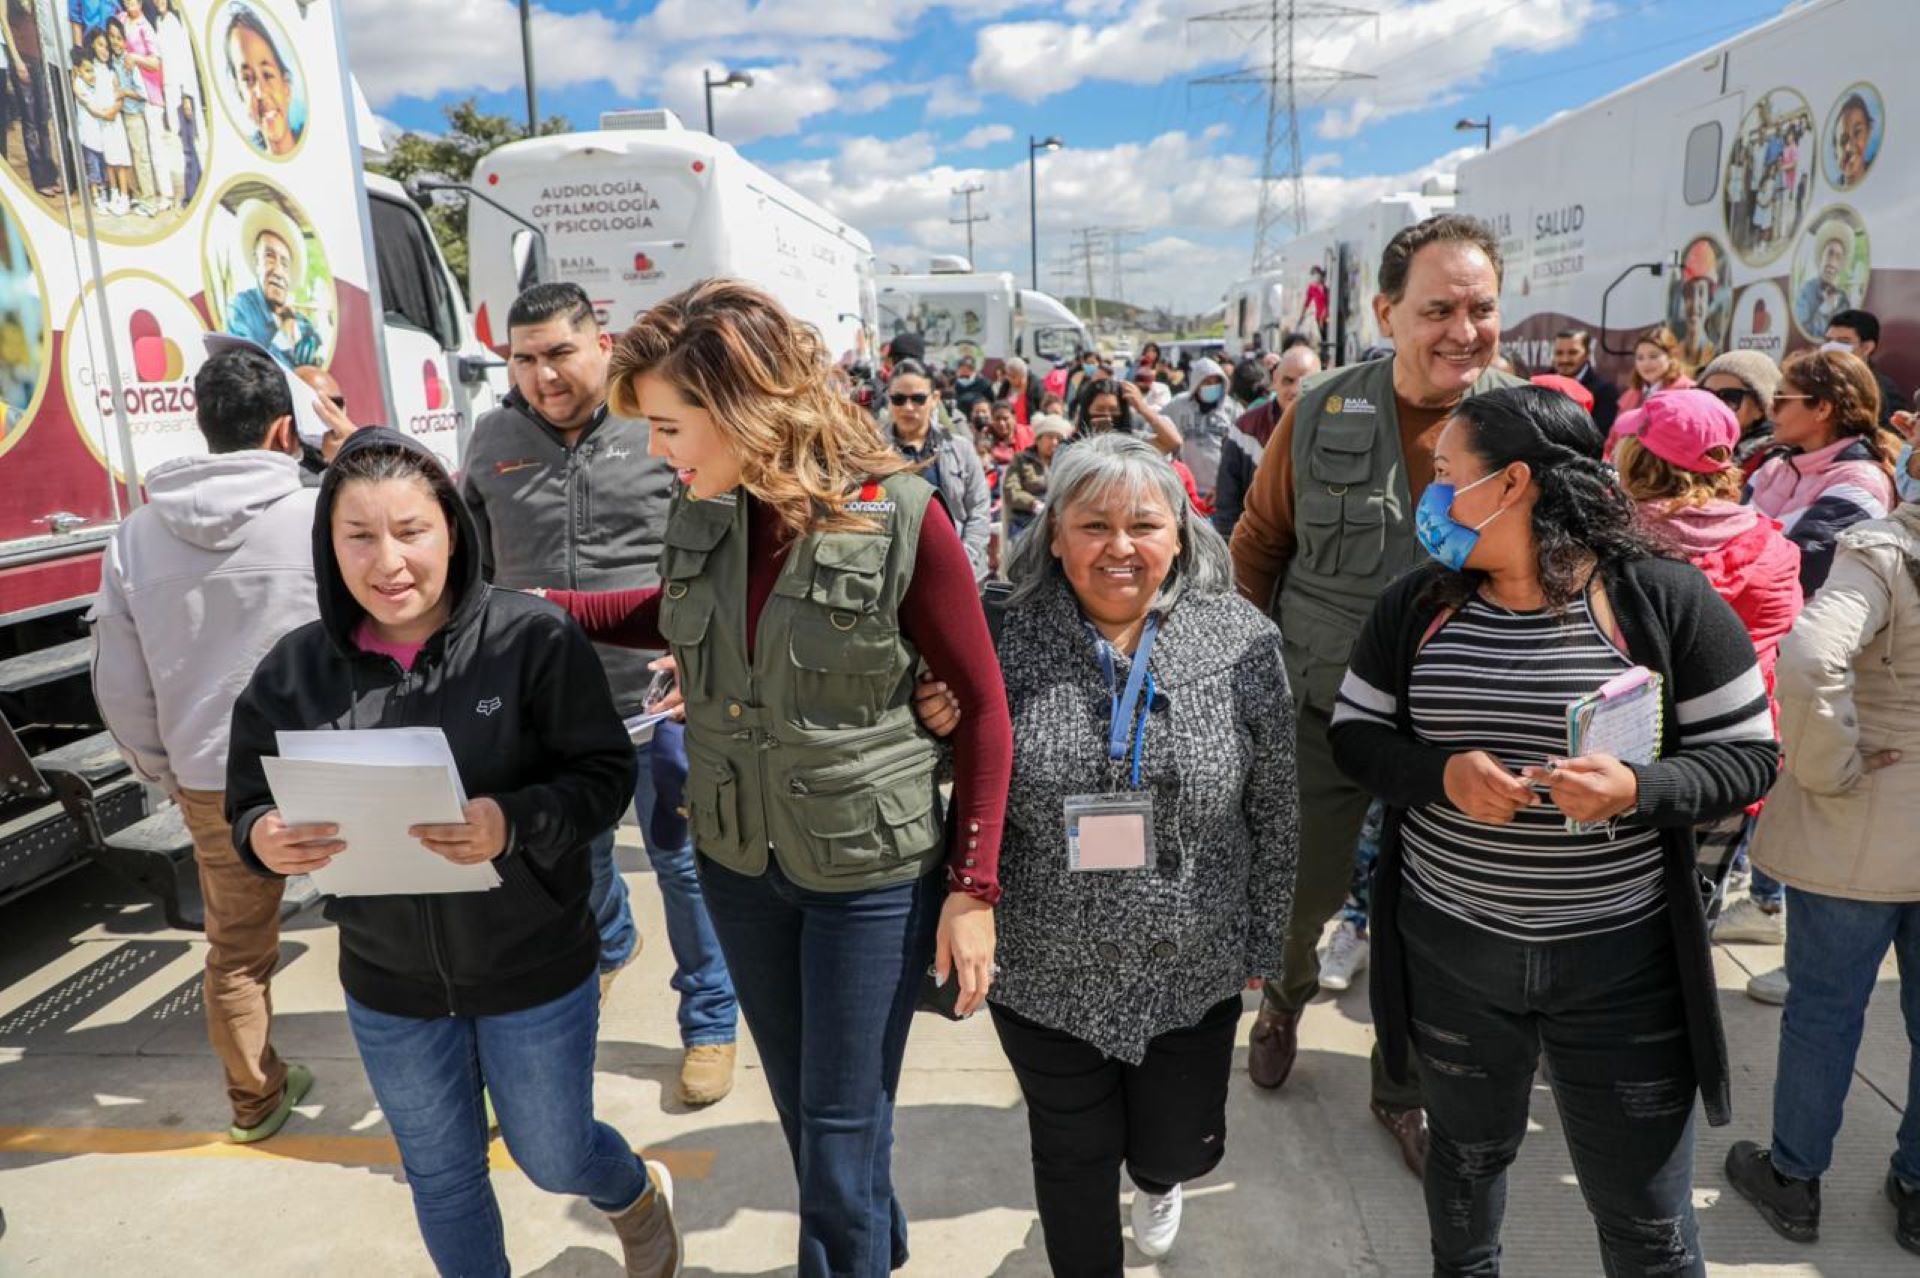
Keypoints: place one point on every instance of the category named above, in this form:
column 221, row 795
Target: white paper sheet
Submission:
column 374, row 804
column 400, row 747
column 640, row 726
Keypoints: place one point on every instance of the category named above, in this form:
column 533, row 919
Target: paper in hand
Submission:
column 306, row 416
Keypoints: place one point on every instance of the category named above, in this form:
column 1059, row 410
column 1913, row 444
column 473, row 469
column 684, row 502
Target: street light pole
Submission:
column 731, row 80
column 1034, row 147
column 967, row 192
column 526, row 58
column 1484, row 127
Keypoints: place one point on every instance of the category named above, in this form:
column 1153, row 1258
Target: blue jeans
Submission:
column 708, row 1012
column 427, row 1076
column 827, row 980
column 1834, row 949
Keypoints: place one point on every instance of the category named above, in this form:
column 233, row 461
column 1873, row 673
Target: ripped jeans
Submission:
column 1607, row 1010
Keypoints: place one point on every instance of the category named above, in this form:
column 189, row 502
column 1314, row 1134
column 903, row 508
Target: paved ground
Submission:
column 111, row 1160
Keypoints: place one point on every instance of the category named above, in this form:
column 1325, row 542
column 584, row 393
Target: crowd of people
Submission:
column 1086, row 698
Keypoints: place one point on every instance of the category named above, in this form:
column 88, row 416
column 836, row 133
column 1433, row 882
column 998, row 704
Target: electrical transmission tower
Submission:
column 1281, row 74
column 967, row 193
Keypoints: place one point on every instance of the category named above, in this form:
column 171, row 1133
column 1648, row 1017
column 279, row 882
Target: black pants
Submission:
column 1608, row 1011
column 1165, row 1118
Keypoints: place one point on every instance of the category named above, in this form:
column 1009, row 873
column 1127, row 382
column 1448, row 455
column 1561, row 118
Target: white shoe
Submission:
column 1744, row 920
column 1156, row 1221
column 1769, row 987
column 1345, row 958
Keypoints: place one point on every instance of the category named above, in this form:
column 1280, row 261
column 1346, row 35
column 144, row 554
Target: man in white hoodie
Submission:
column 195, row 587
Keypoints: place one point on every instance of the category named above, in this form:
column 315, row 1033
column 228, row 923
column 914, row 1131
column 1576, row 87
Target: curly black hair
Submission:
column 1581, row 518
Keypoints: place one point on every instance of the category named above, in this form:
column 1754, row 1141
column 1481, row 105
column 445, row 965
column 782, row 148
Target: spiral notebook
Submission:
column 1622, row 718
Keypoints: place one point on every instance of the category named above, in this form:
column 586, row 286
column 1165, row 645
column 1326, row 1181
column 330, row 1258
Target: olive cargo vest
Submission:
column 810, row 751
column 1352, row 516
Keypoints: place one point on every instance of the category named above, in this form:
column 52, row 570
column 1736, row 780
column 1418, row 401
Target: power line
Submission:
column 1280, row 75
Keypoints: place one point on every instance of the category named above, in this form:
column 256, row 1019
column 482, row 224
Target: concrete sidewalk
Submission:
column 112, row 1158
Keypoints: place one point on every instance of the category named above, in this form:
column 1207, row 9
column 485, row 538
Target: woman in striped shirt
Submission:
column 1498, row 929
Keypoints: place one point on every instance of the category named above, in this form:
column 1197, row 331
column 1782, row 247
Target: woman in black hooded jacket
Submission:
column 448, row 994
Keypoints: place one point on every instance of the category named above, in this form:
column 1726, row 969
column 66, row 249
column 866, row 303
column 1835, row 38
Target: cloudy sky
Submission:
column 879, row 110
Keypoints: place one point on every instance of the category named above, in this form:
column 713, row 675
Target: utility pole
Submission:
column 1090, row 243
column 967, row 193
column 1280, row 75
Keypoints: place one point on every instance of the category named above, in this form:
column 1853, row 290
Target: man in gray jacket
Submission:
column 567, row 498
column 195, row 587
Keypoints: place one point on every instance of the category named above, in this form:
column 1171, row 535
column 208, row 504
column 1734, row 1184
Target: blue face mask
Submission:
column 1434, row 526
column 1210, row 395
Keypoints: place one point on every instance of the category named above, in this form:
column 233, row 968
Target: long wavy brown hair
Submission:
column 729, row 348
column 1843, row 380
column 1663, row 337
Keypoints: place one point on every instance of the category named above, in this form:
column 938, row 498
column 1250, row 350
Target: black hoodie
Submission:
column 524, row 703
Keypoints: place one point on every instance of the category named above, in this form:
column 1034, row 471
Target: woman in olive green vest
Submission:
column 807, row 574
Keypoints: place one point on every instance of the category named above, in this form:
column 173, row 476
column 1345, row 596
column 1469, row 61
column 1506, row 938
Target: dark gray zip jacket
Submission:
column 589, row 517
column 513, row 683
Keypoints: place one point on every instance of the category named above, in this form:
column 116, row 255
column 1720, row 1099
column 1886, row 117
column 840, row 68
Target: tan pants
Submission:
column 243, row 946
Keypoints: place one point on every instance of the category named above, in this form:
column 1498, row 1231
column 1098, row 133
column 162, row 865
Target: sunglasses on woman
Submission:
column 1733, row 396
column 902, row 400
column 1782, row 398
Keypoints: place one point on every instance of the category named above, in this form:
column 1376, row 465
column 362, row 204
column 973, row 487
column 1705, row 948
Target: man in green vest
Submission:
column 1328, row 523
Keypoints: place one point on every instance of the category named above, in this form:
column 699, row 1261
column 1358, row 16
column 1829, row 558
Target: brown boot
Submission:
column 1274, row 1043
column 706, row 1073
column 1409, row 1130
column 648, row 1235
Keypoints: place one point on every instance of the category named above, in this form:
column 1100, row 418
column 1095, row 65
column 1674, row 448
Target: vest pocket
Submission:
column 685, row 616
column 887, row 820
column 1342, row 528
column 713, row 803
column 849, row 570
column 843, row 667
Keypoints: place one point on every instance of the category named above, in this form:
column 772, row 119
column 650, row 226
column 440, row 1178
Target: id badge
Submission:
column 1109, row 831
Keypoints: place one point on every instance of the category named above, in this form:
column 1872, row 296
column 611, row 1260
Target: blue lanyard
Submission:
column 1127, row 726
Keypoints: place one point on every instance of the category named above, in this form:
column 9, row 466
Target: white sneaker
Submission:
column 1345, row 958
column 1156, row 1221
column 1744, row 920
column 1769, row 987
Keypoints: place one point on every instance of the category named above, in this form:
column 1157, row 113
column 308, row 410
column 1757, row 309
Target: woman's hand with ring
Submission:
column 963, row 950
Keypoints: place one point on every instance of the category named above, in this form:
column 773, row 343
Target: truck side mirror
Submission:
column 526, row 260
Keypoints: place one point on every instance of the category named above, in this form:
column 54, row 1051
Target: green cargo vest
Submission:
column 810, row 751
column 1352, row 517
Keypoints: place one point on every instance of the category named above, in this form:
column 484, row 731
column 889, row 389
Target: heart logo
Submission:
column 436, row 389
column 156, row 358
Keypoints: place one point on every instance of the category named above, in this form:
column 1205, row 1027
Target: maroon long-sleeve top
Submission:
column 952, row 640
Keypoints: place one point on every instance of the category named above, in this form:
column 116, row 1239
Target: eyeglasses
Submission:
column 1732, row 396
column 901, row 401
column 1780, row 399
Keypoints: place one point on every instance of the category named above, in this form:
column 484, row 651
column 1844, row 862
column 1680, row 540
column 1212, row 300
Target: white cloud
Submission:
column 476, row 46
column 1422, row 53
column 984, row 136
column 1192, row 207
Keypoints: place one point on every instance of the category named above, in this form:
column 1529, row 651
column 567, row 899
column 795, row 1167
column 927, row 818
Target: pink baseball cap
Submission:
column 1684, row 428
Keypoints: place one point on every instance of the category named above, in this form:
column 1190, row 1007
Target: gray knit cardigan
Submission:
column 1118, row 957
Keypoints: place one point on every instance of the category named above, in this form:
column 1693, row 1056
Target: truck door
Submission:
column 438, row 371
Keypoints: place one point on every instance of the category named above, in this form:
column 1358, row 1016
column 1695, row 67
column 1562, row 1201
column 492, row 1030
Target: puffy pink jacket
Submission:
column 1817, row 495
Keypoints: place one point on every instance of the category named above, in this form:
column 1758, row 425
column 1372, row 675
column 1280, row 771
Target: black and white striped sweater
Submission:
column 1719, row 755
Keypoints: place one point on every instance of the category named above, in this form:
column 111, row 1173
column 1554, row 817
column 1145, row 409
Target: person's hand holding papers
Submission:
column 482, row 838
column 294, row 849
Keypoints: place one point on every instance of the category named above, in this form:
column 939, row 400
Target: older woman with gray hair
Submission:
column 1147, row 865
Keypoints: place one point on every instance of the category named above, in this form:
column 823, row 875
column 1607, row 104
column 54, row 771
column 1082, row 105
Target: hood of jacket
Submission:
column 340, row 612
column 209, row 501
column 1202, row 369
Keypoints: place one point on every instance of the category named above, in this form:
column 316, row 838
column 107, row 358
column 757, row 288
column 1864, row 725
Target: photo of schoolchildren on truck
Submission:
column 134, row 78
column 1770, row 176
column 23, row 332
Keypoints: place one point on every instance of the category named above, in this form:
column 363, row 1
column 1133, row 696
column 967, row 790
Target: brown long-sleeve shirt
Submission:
column 1263, row 540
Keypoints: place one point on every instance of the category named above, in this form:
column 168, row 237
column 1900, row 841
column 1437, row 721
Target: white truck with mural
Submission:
column 1347, row 253
column 1740, row 197
column 640, row 209
column 232, row 200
